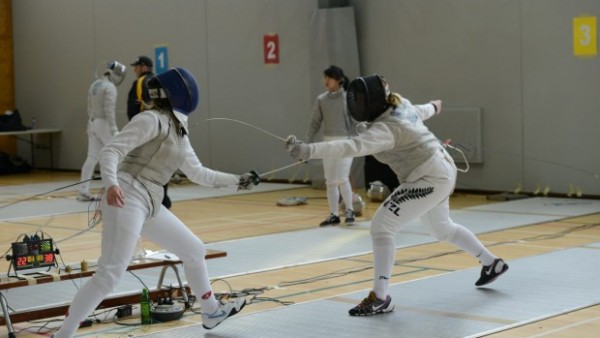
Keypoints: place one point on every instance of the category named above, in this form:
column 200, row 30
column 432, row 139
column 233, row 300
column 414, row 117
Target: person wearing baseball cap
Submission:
column 143, row 70
column 135, row 101
column 143, row 61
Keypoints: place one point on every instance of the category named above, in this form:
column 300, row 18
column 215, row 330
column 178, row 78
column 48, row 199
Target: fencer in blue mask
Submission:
column 135, row 165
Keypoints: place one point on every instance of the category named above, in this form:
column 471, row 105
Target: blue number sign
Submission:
column 161, row 55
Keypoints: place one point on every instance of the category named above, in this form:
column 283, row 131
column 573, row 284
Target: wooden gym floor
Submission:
column 211, row 220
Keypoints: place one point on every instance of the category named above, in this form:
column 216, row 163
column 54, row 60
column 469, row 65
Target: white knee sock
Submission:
column 346, row 191
column 466, row 240
column 384, row 252
column 333, row 198
column 197, row 277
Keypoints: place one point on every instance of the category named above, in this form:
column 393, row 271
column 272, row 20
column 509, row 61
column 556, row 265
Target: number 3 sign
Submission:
column 271, row 48
column 584, row 36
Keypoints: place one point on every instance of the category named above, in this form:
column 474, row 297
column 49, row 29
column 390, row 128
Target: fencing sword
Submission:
column 95, row 178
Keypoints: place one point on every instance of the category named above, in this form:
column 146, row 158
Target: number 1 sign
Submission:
column 161, row 55
column 271, row 48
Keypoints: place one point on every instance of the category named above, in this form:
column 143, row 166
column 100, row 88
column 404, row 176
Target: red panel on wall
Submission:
column 271, row 48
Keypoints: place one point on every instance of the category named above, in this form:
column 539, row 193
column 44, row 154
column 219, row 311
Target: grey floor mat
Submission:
column 321, row 244
column 444, row 306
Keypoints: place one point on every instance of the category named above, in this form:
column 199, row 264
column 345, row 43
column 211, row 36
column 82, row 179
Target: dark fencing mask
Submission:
column 366, row 98
column 178, row 86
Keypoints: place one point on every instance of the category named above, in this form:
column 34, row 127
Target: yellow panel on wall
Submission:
column 584, row 36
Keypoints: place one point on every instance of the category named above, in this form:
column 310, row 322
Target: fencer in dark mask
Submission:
column 394, row 133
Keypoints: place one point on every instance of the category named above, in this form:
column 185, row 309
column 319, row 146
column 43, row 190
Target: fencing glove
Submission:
column 298, row 150
column 248, row 180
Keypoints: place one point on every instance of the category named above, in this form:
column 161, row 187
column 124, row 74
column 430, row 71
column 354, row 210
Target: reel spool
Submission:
column 166, row 312
column 357, row 203
column 378, row 191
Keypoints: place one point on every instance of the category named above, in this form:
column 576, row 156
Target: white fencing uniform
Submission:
column 337, row 172
column 101, row 103
column 427, row 175
column 140, row 160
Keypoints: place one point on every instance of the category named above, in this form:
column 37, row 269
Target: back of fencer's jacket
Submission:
column 102, row 102
column 414, row 144
column 154, row 162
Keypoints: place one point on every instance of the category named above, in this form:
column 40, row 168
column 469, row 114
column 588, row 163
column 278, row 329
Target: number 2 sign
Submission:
column 271, row 48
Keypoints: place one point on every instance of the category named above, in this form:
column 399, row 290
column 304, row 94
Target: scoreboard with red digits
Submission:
column 33, row 253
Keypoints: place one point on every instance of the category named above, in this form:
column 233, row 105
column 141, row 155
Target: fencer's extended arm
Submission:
column 428, row 110
column 437, row 104
column 143, row 128
column 197, row 173
column 377, row 138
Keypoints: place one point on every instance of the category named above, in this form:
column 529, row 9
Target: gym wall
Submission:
column 514, row 60
column 60, row 43
column 511, row 59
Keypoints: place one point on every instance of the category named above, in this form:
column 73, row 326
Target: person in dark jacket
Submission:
column 135, row 100
column 143, row 70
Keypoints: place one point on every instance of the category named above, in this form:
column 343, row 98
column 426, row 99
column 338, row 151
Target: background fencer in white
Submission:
column 331, row 113
column 132, row 203
column 397, row 136
column 102, row 126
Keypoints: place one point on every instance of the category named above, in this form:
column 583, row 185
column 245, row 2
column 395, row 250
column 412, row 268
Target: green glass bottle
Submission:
column 145, row 307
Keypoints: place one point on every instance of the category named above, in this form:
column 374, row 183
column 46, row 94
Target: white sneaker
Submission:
column 86, row 197
column 224, row 311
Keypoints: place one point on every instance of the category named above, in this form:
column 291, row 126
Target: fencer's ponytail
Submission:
column 345, row 82
column 394, row 99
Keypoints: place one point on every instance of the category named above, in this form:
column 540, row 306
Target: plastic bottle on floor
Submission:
column 145, row 307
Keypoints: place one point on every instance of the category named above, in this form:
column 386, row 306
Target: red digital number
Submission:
column 21, row 261
column 49, row 258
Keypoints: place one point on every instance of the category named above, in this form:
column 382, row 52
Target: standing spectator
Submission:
column 143, row 70
column 135, row 101
column 331, row 113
